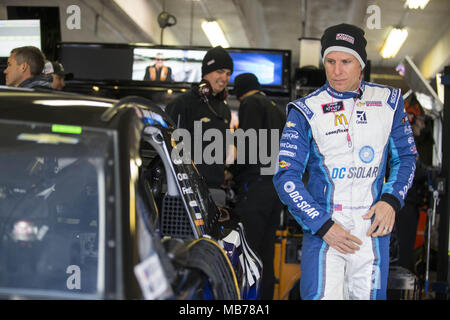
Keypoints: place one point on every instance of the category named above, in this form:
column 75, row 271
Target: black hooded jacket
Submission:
column 192, row 107
column 257, row 112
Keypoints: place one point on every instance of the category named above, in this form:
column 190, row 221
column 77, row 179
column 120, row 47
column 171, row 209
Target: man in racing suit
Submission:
column 343, row 134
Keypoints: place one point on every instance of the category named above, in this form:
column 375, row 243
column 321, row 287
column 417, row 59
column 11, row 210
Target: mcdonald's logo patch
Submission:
column 341, row 119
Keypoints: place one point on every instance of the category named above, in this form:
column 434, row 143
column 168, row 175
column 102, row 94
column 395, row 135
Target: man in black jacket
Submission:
column 205, row 107
column 258, row 204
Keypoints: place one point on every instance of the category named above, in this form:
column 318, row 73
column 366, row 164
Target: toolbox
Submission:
column 402, row 284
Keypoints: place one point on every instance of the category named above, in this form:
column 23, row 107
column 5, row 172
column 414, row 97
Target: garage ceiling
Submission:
column 274, row 24
column 279, row 24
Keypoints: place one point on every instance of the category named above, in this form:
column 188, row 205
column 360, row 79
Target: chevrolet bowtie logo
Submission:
column 290, row 124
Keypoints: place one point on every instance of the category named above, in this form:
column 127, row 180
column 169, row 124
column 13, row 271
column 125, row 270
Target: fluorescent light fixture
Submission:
column 416, row 4
column 214, row 33
column 440, row 87
column 393, row 42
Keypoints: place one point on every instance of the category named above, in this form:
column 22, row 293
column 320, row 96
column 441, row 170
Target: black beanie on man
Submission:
column 244, row 83
column 345, row 38
column 215, row 59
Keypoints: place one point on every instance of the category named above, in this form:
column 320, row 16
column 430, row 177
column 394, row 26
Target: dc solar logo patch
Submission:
column 366, row 154
column 289, row 186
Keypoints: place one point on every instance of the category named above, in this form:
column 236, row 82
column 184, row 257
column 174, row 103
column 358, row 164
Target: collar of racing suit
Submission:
column 345, row 95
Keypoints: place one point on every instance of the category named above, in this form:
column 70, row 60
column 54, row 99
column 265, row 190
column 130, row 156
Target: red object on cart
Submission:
column 421, row 225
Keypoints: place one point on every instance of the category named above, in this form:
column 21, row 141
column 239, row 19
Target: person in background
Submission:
column 206, row 104
column 343, row 134
column 158, row 71
column 408, row 217
column 56, row 70
column 257, row 205
column 24, row 68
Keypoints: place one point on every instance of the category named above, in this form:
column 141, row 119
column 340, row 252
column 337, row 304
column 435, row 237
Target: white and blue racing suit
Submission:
column 344, row 141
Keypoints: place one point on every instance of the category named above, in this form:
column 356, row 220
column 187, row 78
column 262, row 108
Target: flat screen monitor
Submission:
column 266, row 66
column 19, row 33
column 186, row 64
column 132, row 62
column 92, row 61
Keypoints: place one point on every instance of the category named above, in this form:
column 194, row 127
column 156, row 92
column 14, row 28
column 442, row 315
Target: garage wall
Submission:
column 100, row 21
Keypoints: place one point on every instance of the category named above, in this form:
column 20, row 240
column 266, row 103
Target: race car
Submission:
column 93, row 205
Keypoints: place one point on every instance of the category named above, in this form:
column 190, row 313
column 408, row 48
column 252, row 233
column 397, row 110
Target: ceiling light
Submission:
column 393, row 42
column 416, row 4
column 215, row 34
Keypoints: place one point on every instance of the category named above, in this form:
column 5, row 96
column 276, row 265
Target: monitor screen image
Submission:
column 185, row 65
column 267, row 67
column 19, row 33
column 101, row 58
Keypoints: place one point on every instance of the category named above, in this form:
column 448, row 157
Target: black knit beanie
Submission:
column 345, row 38
column 215, row 59
column 244, row 83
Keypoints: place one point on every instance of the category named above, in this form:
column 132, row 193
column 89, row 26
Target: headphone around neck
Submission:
column 205, row 91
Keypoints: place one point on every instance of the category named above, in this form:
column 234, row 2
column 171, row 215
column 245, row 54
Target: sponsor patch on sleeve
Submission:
column 393, row 98
column 303, row 108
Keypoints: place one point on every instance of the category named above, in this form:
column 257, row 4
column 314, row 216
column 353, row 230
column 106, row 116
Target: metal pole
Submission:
column 205, row 10
column 442, row 261
column 303, row 13
column 191, row 27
